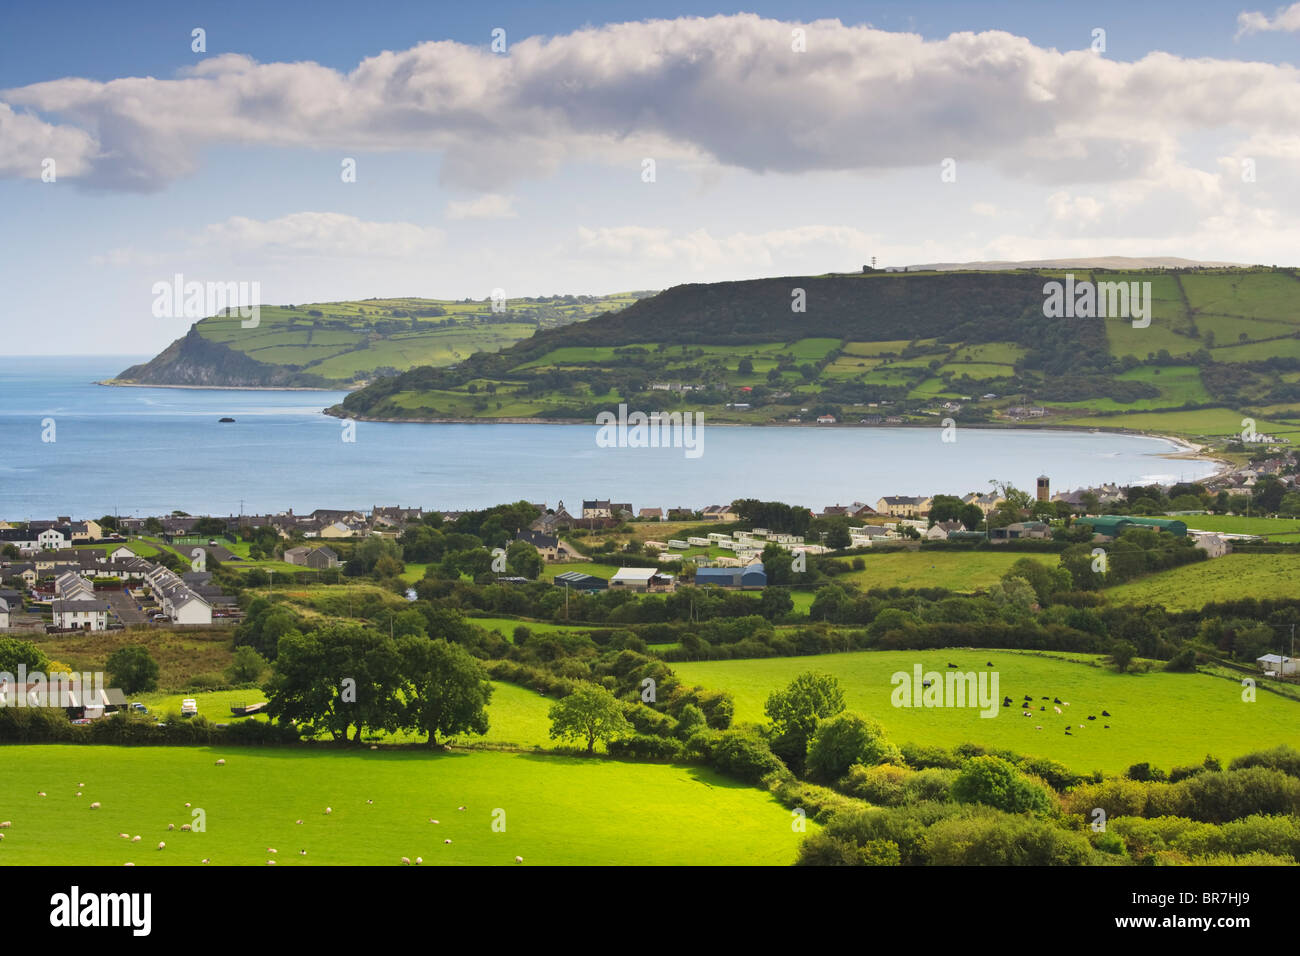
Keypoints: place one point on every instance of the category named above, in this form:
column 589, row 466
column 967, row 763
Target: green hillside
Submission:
column 345, row 344
column 893, row 348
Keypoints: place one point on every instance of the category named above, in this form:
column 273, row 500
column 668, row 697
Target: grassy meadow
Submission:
column 1166, row 719
column 557, row 810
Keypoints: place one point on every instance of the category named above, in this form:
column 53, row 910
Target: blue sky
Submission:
column 523, row 170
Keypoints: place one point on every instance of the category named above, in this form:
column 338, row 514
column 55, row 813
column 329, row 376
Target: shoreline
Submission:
column 111, row 383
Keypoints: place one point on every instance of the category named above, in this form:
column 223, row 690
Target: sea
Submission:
column 69, row 446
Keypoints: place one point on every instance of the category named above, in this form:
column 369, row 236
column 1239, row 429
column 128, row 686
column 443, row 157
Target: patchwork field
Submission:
column 957, row 571
column 1167, row 719
column 557, row 810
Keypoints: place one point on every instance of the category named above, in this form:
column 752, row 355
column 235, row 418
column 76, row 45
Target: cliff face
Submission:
column 194, row 360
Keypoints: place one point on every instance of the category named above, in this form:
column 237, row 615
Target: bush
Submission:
column 846, row 739
column 920, row 757
column 1144, row 772
column 1220, row 797
column 1118, row 798
column 1284, row 758
column 742, row 754
column 884, row 785
column 987, row 837
column 933, row 783
column 994, row 782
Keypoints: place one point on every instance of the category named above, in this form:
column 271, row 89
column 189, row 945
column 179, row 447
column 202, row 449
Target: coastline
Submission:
column 112, row 383
column 1187, row 450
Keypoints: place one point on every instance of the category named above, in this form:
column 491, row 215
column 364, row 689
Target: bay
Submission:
column 140, row 451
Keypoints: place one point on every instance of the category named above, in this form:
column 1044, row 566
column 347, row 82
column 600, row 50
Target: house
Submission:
column 596, row 509
column 681, row 514
column 985, row 503
column 1277, row 664
column 553, row 521
column 1213, row 545
column 903, row 506
column 825, row 419
column 23, row 540
column 621, row 510
column 121, row 553
column 396, row 517
column 550, row 547
column 651, row 514
column 940, row 530
column 1020, row 530
column 54, row 538
column 641, row 580
column 320, row 558
column 85, row 615
column 4, row 614
column 721, row 513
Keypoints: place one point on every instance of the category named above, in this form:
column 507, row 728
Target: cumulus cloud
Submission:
column 26, row 143
column 1286, row 20
column 726, row 89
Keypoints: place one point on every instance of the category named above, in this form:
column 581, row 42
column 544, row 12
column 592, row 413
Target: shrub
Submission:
column 904, row 826
column 846, row 739
column 992, row 781
column 1219, row 797
column 743, row 754
column 1119, row 798
column 920, row 756
column 884, row 785
column 933, row 783
column 1284, row 758
column 1144, row 772
column 987, row 837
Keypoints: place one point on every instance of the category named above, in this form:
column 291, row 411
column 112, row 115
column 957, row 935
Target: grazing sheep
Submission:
column 221, row 762
column 185, row 828
column 302, row 852
column 205, row 860
column 446, row 841
column 519, row 859
column 1081, row 726
column 128, row 864
column 171, row 826
column 136, row 838
column 5, row 824
column 272, row 850
column 1038, row 728
column 40, row 793
column 95, row 805
column 82, row 785
column 161, row 845
column 125, row 836
column 406, row 861
column 270, row 862
column 370, row 801
column 419, row 860
column 187, row 806
column 460, row 808
column 329, row 809
column 2, row 836
column 1067, row 703
column 78, row 793
column 1057, row 709
column 432, row 820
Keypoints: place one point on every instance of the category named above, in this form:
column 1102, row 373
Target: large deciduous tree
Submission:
column 590, row 713
column 446, row 689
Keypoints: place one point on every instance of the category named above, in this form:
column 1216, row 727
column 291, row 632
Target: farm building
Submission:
column 751, row 576
column 1277, row 664
column 641, row 580
column 578, row 581
column 319, row 558
column 1107, row 526
column 1020, row 530
column 1172, row 525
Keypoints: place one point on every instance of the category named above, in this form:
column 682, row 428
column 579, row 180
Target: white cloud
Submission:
column 489, row 206
column 795, row 251
column 326, row 234
column 725, row 89
column 1285, row 19
column 27, row 142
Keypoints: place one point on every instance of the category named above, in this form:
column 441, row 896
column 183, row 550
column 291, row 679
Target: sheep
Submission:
column 187, row 806
column 1067, row 732
column 519, row 859
column 271, row 849
column 2, row 836
column 95, row 805
column 1066, row 704
column 128, row 864
column 270, row 862
column 460, row 808
column 446, row 841
column 370, row 801
column 1057, row 709
column 221, row 762
column 125, row 836
column 185, row 828
column 40, row 793
column 406, row 861
column 78, row 793
column 205, row 860
column 5, row 824
column 82, row 785
column 1038, row 728
column 162, row 845
column 432, row 820
column 302, row 852
column 1106, row 727
column 329, row 810
column 1042, row 708
column 136, row 838
column 419, row 860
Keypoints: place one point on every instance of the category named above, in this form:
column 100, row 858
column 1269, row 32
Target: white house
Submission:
column 83, row 615
column 1214, row 545
column 4, row 614
column 52, row 539
column 1277, row 664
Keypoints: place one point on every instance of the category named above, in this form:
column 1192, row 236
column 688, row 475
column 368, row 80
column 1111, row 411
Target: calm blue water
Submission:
column 151, row 450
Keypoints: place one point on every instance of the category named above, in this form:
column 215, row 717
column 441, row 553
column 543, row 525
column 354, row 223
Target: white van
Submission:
column 189, row 707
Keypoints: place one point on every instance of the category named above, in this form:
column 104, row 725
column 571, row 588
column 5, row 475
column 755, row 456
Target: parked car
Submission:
column 139, row 708
column 189, row 707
